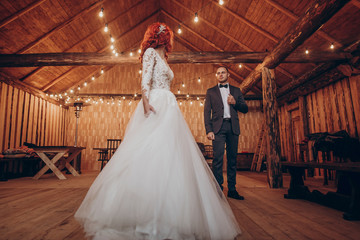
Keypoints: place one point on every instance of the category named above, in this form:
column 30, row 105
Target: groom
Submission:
column 222, row 127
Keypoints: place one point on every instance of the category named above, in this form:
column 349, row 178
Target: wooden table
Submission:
column 59, row 152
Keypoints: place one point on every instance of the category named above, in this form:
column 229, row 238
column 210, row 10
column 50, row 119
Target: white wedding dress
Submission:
column 157, row 185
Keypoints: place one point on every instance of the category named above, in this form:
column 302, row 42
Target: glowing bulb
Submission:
column 199, row 80
column 71, row 91
column 106, row 29
column 178, row 91
column 196, row 19
column 183, row 84
column 221, row 2
column 101, row 13
column 78, row 87
column 306, row 51
column 140, row 71
column 102, row 71
column 131, row 54
column 179, row 30
column 332, row 46
column 139, row 51
column 112, row 39
column 112, row 46
column 187, row 95
column 116, row 54
column 85, row 84
column 240, row 65
column 93, row 78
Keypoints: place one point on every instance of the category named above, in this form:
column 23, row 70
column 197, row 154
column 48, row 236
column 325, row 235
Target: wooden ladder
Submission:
column 259, row 151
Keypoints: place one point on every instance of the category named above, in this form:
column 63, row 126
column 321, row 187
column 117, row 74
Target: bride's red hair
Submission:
column 154, row 39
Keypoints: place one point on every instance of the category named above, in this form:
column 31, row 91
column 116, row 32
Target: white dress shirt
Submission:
column 224, row 95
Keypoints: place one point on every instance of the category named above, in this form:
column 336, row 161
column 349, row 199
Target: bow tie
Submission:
column 225, row 86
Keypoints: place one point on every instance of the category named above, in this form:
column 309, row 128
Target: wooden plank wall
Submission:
column 27, row 118
column 333, row 108
column 99, row 122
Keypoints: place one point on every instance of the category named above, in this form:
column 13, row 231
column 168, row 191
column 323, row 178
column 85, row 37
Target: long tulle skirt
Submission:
column 157, row 185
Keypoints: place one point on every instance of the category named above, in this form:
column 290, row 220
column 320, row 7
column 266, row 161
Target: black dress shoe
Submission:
column 235, row 195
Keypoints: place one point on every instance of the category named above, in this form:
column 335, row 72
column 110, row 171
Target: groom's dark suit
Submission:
column 225, row 130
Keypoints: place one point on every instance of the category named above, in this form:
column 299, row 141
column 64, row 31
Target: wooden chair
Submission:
column 209, row 154
column 103, row 157
column 112, row 145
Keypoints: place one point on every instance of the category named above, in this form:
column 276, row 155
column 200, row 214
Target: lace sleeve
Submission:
column 148, row 67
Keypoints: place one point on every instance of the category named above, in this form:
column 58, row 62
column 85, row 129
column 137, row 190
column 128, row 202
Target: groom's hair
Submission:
column 227, row 70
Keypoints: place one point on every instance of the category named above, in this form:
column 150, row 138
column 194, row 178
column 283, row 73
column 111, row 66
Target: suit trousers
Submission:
column 225, row 136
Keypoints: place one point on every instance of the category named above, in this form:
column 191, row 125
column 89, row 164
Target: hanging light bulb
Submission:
column 179, row 29
column 102, row 71
column 114, row 51
column 240, row 65
column 93, row 78
column 180, row 103
column 101, row 13
column 178, row 91
column 47, row 94
column 71, row 91
column 306, row 51
column 140, row 71
column 332, row 46
column 85, row 84
column 199, row 80
column 131, row 54
column 221, row 2
column 65, row 94
column 183, row 84
column 187, row 95
column 79, row 88
column 197, row 98
column 139, row 51
column 196, row 19
column 135, row 95
column 112, row 46
column 106, row 29
column 112, row 39
column 116, row 54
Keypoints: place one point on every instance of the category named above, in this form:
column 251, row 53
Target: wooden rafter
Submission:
column 20, row 13
column 53, row 82
column 247, row 22
column 296, row 18
column 59, row 27
column 86, row 38
column 100, row 58
column 319, row 13
column 243, row 46
column 356, row 3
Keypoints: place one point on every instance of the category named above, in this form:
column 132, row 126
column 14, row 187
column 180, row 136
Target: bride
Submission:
column 157, row 185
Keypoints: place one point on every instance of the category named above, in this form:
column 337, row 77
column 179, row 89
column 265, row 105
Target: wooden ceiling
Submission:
column 63, row 26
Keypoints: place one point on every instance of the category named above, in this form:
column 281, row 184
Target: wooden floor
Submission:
column 43, row 209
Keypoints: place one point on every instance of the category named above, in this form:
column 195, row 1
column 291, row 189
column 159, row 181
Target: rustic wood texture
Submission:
column 44, row 210
column 316, row 15
column 22, row 119
column 272, row 135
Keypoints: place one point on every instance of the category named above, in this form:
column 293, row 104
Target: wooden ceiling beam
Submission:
column 319, row 13
column 301, row 86
column 59, row 27
column 356, row 3
column 53, row 82
column 84, row 39
column 101, row 58
column 243, row 46
column 27, row 88
column 20, row 13
column 296, row 18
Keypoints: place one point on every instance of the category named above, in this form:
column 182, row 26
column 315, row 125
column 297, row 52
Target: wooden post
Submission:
column 272, row 125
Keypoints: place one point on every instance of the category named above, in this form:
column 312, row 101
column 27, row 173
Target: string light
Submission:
column 178, row 91
column 221, row 2
column 199, row 80
column 106, row 29
column 139, row 51
column 306, row 51
column 101, row 13
column 140, row 71
column 196, row 19
column 78, row 88
column 332, row 46
column 71, row 91
column 179, row 29
column 102, row 71
column 131, row 54
column 240, row 65
column 183, row 84
column 85, row 84
column 93, row 78
column 116, row 54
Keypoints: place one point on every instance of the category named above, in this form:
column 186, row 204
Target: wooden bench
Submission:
column 347, row 196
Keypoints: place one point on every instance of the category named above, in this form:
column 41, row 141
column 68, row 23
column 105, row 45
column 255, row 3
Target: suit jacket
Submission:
column 214, row 109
